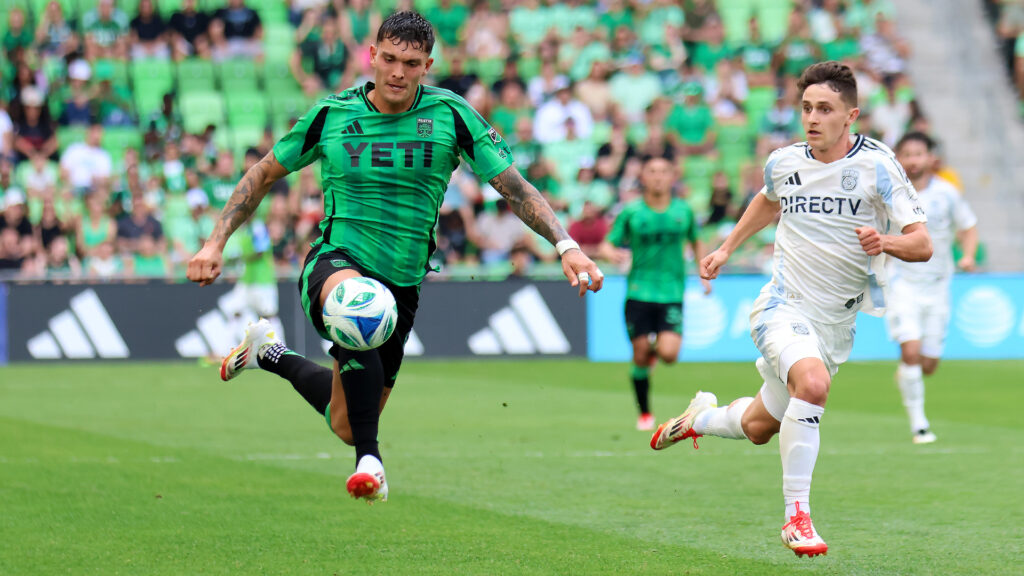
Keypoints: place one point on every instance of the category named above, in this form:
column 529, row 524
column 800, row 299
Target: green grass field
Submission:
column 494, row 468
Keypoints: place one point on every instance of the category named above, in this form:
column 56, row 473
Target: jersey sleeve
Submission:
column 901, row 202
column 300, row 147
column 620, row 229
column 963, row 216
column 479, row 144
column 769, row 176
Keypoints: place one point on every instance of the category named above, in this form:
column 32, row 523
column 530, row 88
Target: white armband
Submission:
column 565, row 245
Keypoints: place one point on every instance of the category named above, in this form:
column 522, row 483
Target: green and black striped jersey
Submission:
column 384, row 175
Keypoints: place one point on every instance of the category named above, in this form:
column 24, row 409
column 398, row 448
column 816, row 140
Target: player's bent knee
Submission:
column 668, row 357
column 758, row 431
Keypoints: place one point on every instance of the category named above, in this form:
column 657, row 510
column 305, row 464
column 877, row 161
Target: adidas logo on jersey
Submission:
column 353, row 128
column 526, row 326
column 84, row 331
column 794, row 179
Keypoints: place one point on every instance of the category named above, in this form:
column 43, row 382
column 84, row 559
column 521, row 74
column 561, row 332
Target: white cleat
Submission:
column 645, row 422
column 681, row 426
column 800, row 536
column 368, row 482
column 924, row 436
column 243, row 357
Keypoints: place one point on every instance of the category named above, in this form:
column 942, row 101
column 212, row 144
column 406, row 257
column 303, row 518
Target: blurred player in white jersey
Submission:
column 843, row 201
column 919, row 295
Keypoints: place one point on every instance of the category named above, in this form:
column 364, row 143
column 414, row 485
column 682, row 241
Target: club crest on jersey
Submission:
column 800, row 329
column 495, row 137
column 424, row 127
column 850, row 177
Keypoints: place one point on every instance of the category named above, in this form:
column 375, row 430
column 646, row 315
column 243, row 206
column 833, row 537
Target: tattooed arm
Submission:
column 205, row 266
column 527, row 203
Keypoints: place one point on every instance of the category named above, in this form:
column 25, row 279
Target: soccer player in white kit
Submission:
column 919, row 295
column 843, row 201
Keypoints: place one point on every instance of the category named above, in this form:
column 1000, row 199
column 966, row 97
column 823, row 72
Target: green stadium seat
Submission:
column 129, row 7
column 773, row 19
column 167, row 8
column 118, row 139
column 67, row 135
column 698, row 171
column 238, row 74
column 278, row 41
column 200, row 109
column 196, row 75
column 759, row 100
column 152, row 75
column 245, row 137
column 286, row 107
column 734, row 143
column 247, row 109
column 278, row 79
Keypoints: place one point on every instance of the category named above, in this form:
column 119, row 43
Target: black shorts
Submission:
column 644, row 318
column 320, row 266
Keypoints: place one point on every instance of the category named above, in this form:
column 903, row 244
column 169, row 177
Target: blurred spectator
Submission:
column 13, row 258
column 55, row 34
column 617, row 13
column 665, row 59
column 35, row 134
column 113, row 102
column 756, row 55
column 236, row 32
column 890, row 109
column 18, row 36
column 189, row 31
column 528, row 23
column 863, row 15
column 697, row 15
column 613, row 155
column 58, row 260
column 104, row 262
column 720, row 203
column 140, row 222
column 328, row 58
column 595, row 92
column 485, row 32
column 585, row 187
column 542, row 87
column 634, row 88
column 86, row 162
column 825, row 21
column 497, row 232
column 689, row 125
column 17, row 240
column 725, row 90
column 550, row 123
column 521, row 260
column 567, row 154
column 148, row 260
column 49, row 228
column 458, row 80
column 781, row 123
column 798, row 50
column 512, row 106
column 38, row 176
column 448, row 18
column 106, row 32
column 712, row 48
column 221, row 183
column 884, row 51
column 456, row 220
column 590, row 228
column 96, row 225
column 6, row 132
column 149, row 33
column 358, row 20
column 661, row 14
column 78, row 105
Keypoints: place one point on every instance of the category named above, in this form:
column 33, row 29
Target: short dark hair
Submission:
column 837, row 76
column 667, row 156
column 916, row 137
column 407, row 27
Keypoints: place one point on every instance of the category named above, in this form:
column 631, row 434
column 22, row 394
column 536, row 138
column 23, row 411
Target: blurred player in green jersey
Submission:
column 386, row 150
column 651, row 232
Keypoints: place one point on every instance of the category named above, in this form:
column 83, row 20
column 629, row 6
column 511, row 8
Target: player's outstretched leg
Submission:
column 681, row 426
column 798, row 447
column 261, row 348
column 360, row 381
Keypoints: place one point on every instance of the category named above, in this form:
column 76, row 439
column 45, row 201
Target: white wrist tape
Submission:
column 564, row 245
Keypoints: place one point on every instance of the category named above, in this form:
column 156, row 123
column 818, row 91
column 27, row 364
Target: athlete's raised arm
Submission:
column 535, row 212
column 758, row 214
column 205, row 266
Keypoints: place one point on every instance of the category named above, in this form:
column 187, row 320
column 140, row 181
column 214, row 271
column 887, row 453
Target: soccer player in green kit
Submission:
column 654, row 228
column 387, row 150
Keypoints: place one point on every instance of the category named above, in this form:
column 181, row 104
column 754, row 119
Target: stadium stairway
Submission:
column 965, row 92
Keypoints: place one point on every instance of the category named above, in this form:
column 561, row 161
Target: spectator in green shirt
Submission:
column 106, row 32
column 690, row 126
column 18, row 35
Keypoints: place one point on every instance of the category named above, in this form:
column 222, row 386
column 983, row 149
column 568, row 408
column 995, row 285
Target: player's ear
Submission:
column 373, row 53
column 427, row 65
column 854, row 114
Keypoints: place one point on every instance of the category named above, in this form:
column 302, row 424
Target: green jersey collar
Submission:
column 365, row 90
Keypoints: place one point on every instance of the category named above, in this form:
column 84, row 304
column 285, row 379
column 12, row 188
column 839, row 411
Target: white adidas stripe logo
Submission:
column 83, row 331
column 526, row 326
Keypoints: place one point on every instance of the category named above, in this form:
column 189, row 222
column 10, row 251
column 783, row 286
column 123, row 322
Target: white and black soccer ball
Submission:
column 360, row 314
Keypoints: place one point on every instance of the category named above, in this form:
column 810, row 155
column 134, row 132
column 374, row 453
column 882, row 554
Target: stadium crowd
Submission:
column 124, row 125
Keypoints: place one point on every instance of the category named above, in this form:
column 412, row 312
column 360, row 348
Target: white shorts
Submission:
column 919, row 312
column 784, row 336
column 259, row 298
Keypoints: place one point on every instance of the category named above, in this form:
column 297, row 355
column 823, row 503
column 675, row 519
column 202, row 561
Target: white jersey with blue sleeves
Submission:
column 819, row 265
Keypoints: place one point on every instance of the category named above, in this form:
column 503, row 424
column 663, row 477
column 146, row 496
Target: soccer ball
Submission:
column 360, row 314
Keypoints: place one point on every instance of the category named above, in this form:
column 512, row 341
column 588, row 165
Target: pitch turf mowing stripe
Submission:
column 214, row 516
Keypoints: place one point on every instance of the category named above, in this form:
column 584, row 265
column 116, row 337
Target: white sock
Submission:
column 798, row 446
column 911, row 382
column 725, row 421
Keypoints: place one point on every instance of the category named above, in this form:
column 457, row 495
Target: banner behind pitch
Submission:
column 167, row 321
column 987, row 321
